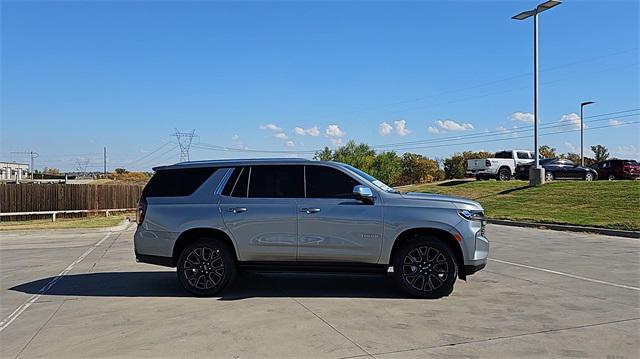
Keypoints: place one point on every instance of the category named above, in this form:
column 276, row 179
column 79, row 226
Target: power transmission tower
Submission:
column 184, row 141
column 32, row 154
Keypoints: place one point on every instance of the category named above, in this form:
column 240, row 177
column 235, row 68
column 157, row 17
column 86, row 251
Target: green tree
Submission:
column 360, row 155
column 387, row 167
column 601, row 153
column 547, row 151
column 419, row 169
column 325, row 155
column 51, row 171
column 454, row 166
column 121, row 171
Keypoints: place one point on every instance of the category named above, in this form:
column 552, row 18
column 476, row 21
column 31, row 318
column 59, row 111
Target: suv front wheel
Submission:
column 425, row 267
column 206, row 267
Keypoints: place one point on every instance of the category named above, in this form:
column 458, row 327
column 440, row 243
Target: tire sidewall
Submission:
column 505, row 171
column 430, row 241
column 227, row 258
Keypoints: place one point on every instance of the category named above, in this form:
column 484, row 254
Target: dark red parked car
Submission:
column 617, row 169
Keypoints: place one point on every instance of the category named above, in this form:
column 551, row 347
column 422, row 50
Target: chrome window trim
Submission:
column 223, row 181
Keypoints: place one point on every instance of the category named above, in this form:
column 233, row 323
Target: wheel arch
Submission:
column 446, row 237
column 506, row 168
column 188, row 236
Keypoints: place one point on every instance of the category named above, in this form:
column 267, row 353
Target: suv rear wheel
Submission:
column 425, row 267
column 206, row 267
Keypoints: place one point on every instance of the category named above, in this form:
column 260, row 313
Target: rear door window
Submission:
column 327, row 182
column 504, row 154
column 276, row 182
column 177, row 182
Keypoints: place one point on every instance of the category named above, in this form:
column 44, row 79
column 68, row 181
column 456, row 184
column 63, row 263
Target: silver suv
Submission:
column 211, row 219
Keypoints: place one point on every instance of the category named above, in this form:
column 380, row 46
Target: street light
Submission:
column 582, row 105
column 538, row 178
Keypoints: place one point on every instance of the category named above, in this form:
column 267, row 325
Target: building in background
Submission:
column 12, row 171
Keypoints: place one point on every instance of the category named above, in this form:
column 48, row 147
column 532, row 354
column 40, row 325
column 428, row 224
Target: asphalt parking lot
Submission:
column 80, row 293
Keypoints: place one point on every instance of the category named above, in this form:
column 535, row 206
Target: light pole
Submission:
column 536, row 174
column 582, row 105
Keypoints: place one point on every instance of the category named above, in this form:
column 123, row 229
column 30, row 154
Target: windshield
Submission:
column 381, row 185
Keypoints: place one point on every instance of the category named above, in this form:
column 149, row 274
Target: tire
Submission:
column 548, row 176
column 213, row 257
column 589, row 177
column 435, row 273
column 504, row 174
column 611, row 177
column 479, row 178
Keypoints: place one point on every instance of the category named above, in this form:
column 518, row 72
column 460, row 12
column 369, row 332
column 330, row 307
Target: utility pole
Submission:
column 32, row 155
column 184, row 141
column 536, row 173
column 104, row 157
column 582, row 105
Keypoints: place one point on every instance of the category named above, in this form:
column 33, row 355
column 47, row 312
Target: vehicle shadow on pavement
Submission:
column 246, row 285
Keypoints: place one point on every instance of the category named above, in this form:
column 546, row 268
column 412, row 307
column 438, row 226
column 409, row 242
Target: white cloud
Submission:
column 623, row 151
column 450, row 125
column 570, row 147
column 571, row 119
column 522, row 117
column 616, row 123
column 271, row 127
column 281, row 135
column 401, row 127
column 334, row 131
column 384, row 129
column 312, row 131
column 237, row 142
column 433, row 129
column 289, row 144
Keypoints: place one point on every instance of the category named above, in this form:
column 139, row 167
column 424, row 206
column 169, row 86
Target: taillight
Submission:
column 142, row 209
column 487, row 163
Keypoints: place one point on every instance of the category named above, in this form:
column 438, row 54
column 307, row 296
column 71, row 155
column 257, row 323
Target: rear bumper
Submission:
column 157, row 260
column 470, row 269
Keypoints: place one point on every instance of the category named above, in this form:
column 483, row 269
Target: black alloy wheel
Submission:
column 206, row 267
column 425, row 267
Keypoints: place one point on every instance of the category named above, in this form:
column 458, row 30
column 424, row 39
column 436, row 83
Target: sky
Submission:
column 285, row 79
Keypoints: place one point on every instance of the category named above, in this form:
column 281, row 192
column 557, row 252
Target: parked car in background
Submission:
column 617, row 169
column 501, row 167
column 211, row 219
column 559, row 168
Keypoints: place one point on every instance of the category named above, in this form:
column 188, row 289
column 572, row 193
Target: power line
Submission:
column 480, row 85
column 393, row 146
column 501, row 132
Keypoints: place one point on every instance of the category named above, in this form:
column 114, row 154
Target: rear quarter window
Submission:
column 504, row 154
column 177, row 182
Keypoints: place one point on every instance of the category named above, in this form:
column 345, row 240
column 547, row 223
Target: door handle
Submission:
column 238, row 209
column 310, row 210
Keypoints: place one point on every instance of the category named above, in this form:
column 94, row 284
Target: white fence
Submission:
column 55, row 213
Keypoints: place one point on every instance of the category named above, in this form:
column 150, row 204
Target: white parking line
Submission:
column 566, row 274
column 16, row 313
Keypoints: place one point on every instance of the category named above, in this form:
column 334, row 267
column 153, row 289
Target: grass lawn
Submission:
column 86, row 222
column 610, row 204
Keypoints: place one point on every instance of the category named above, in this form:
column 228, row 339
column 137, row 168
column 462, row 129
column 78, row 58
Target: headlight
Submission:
column 473, row 215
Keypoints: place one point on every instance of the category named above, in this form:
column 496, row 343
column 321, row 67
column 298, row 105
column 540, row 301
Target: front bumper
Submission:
column 474, row 244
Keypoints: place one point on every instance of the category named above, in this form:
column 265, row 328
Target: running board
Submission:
column 331, row 267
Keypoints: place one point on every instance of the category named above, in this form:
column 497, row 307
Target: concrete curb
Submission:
column 568, row 228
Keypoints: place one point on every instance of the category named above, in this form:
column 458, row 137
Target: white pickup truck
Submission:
column 501, row 167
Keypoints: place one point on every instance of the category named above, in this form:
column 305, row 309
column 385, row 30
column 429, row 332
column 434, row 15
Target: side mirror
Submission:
column 363, row 193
